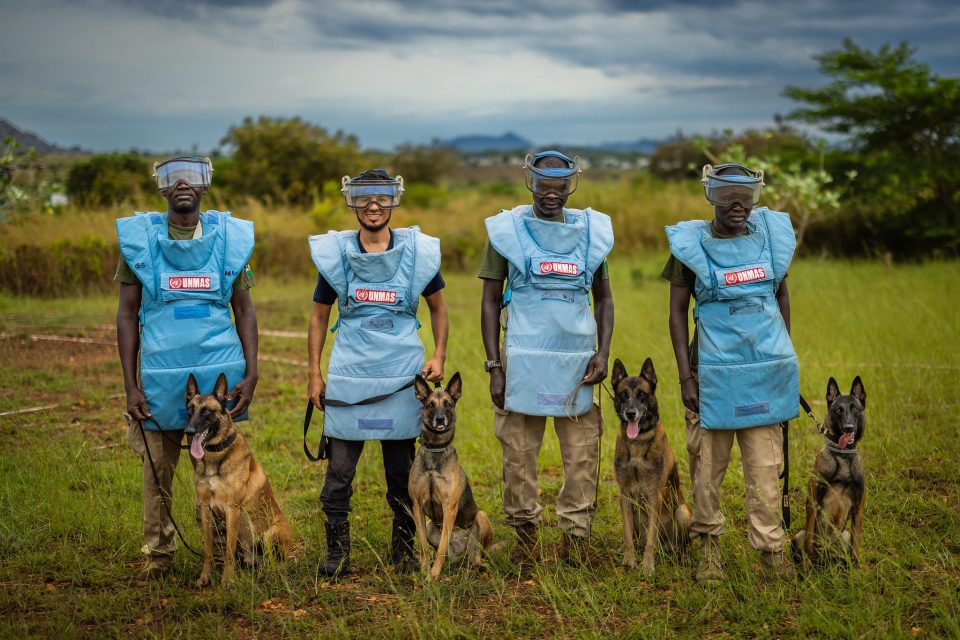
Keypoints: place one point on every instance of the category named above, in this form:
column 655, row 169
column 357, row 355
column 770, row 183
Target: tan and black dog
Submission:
column 444, row 510
column 233, row 492
column 836, row 493
column 651, row 501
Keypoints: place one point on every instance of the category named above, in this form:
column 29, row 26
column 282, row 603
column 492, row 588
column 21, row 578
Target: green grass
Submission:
column 70, row 518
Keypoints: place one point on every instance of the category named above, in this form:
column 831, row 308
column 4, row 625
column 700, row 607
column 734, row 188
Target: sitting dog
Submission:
column 836, row 493
column 651, row 502
column 232, row 489
column 444, row 510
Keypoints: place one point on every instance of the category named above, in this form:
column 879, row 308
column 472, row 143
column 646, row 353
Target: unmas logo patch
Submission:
column 559, row 268
column 744, row 276
column 375, row 295
column 189, row 283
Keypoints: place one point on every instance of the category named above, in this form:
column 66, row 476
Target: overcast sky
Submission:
column 166, row 74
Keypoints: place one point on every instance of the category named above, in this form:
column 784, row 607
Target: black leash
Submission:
column 156, row 479
column 785, row 492
column 327, row 402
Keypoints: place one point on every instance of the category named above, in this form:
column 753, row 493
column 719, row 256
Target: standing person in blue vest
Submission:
column 376, row 276
column 739, row 377
column 180, row 274
column 554, row 348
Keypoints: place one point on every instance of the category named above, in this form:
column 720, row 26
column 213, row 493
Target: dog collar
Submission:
column 848, row 451
column 223, row 444
column 432, row 450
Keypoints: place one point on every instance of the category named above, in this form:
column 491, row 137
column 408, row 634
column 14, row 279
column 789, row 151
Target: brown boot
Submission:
column 776, row 564
column 574, row 550
column 527, row 550
column 710, row 569
column 156, row 568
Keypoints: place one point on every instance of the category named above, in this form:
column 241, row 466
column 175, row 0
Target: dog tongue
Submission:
column 196, row 447
column 633, row 429
column 845, row 440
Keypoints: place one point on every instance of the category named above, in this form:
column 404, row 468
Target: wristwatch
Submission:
column 491, row 364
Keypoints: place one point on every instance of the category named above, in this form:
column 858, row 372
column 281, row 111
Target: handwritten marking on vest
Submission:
column 376, row 295
column 189, row 282
column 744, row 275
column 559, row 268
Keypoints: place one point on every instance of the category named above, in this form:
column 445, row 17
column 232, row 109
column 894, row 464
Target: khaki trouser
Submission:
column 520, row 437
column 158, row 532
column 761, row 452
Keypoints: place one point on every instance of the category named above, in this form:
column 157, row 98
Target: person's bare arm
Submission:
column 433, row 368
column 316, row 337
column 783, row 301
column 245, row 317
column 490, row 332
column 128, row 344
column 603, row 312
column 680, row 337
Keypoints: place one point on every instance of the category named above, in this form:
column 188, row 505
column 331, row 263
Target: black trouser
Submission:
column 342, row 458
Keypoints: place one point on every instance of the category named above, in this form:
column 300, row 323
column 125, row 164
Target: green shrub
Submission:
column 109, row 179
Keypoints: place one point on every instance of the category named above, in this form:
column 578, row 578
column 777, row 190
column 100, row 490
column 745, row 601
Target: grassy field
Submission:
column 70, row 515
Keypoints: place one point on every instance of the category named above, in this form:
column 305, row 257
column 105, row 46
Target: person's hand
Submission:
column 137, row 406
column 433, row 369
column 596, row 369
column 690, row 394
column 315, row 390
column 498, row 383
column 243, row 393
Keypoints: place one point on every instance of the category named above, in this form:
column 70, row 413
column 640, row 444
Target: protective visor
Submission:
column 360, row 194
column 196, row 172
column 543, row 180
column 725, row 190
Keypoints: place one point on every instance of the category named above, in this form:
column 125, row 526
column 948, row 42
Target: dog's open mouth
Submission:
column 196, row 445
column 633, row 429
column 845, row 439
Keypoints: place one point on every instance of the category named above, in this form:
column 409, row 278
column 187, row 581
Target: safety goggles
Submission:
column 725, row 190
column 361, row 194
column 196, row 172
column 559, row 180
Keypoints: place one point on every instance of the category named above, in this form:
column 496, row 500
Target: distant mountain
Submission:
column 26, row 140
column 479, row 144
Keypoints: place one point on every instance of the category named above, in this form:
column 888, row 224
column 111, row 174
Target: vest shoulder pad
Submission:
column 684, row 239
column 427, row 257
column 326, row 250
column 601, row 238
column 133, row 236
column 240, row 240
column 502, row 233
column 783, row 240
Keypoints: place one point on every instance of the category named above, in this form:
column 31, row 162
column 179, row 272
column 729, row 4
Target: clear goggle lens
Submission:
column 362, row 194
column 196, row 173
column 725, row 190
column 558, row 180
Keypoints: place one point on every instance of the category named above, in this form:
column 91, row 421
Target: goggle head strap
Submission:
column 752, row 177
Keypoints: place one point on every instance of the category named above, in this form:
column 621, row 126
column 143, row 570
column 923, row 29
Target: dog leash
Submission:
column 156, row 479
column 785, row 476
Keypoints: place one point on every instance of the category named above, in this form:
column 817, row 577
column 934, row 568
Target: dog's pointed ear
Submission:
column 192, row 388
column 455, row 386
column 619, row 374
column 858, row 392
column 220, row 389
column 648, row 373
column 421, row 388
column 833, row 391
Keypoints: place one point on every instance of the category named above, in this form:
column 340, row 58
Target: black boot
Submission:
column 401, row 546
column 338, row 549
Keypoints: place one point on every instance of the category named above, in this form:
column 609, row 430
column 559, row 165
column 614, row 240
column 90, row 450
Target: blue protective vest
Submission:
column 748, row 372
column 185, row 321
column 551, row 331
column 377, row 349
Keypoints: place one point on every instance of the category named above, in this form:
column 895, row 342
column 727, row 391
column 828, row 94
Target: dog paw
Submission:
column 647, row 568
column 630, row 563
column 203, row 581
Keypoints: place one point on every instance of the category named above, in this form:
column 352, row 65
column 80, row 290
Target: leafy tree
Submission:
column 109, row 179
column 286, row 160
column 903, row 127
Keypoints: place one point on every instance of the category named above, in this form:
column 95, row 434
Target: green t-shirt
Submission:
column 125, row 274
column 675, row 272
column 494, row 266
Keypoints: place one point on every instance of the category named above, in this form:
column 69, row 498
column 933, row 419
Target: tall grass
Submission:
column 70, row 512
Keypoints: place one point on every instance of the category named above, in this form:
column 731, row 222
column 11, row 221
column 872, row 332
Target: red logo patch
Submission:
column 194, row 283
column 744, row 275
column 560, row 268
column 375, row 295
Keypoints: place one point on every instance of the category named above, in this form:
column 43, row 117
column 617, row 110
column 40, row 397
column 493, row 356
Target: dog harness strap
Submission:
column 222, row 445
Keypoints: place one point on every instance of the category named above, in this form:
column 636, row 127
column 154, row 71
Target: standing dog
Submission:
column 438, row 486
column 651, row 502
column 232, row 489
column 836, row 493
